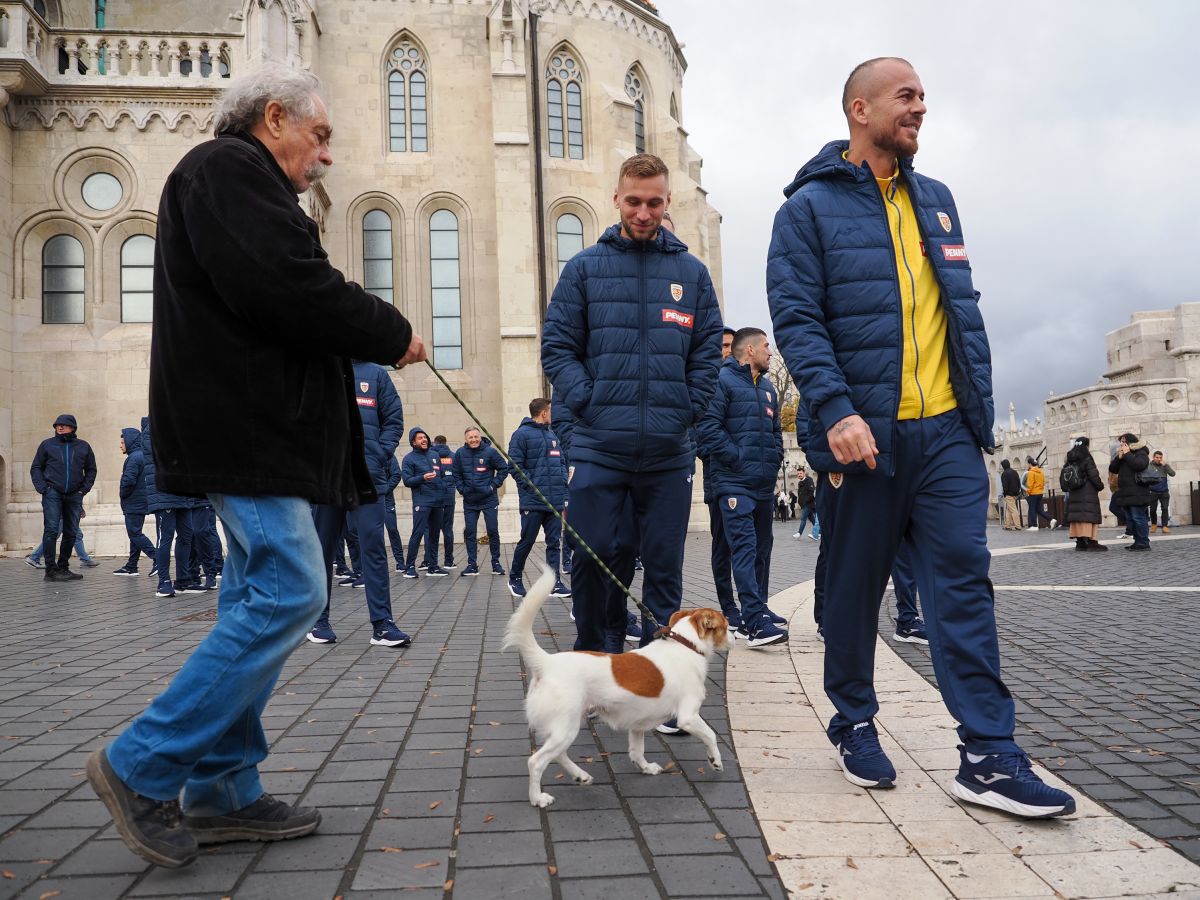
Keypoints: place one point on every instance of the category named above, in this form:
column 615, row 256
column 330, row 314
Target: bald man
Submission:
column 870, row 290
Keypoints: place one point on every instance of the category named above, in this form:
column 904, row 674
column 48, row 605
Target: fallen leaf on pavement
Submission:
column 488, row 819
column 392, row 849
column 427, row 865
column 851, row 863
column 553, row 870
column 719, row 836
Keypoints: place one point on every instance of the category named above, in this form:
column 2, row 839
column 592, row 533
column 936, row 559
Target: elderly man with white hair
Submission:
column 251, row 399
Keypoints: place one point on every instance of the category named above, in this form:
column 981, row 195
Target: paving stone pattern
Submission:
column 1106, row 683
column 415, row 757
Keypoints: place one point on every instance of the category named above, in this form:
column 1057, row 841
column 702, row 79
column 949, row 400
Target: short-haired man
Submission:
column 421, row 473
column 719, row 554
column 632, row 345
column 1010, row 490
column 743, row 440
column 1035, row 490
column 874, row 311
column 249, row 370
column 535, row 449
column 478, row 471
column 1157, row 474
column 63, row 471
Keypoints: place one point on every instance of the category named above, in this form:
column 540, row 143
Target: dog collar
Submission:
column 665, row 632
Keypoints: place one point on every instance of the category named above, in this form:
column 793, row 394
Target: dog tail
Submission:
column 519, row 633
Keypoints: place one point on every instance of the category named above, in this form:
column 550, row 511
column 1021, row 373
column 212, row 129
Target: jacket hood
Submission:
column 828, row 163
column 528, row 421
column 412, row 435
column 1133, row 442
column 742, row 368
column 133, row 439
column 67, row 419
column 665, row 241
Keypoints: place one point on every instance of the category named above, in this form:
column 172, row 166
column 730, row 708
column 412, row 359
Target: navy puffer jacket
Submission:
column 835, row 302
column 65, row 463
column 740, row 435
column 425, row 492
column 133, row 475
column 382, row 416
column 157, row 500
column 478, row 474
column 632, row 343
column 446, row 479
column 536, row 449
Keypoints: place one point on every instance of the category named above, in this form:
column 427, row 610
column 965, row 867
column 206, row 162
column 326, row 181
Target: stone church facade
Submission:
column 476, row 148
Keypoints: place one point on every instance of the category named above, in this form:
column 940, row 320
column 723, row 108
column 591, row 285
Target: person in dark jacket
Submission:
column 1083, row 501
column 1010, row 489
column 719, row 553
column 742, row 439
column 420, row 473
column 446, row 483
column 133, row 500
column 389, row 514
column 632, row 345
column 173, row 525
column 534, row 449
column 806, row 499
column 251, row 395
column 870, row 292
column 478, row 471
column 1160, row 491
column 382, row 417
column 1133, row 493
column 63, row 471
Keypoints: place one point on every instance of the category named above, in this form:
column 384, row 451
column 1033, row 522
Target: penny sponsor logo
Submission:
column 679, row 318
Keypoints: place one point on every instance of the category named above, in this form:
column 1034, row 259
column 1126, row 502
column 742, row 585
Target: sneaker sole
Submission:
column 499, row 574
column 515, row 594
column 909, row 639
column 863, row 782
column 562, row 596
column 100, row 776
column 244, row 833
column 126, row 574
column 406, row 575
column 1006, row 804
column 437, row 574
column 467, row 574
column 161, row 594
column 663, row 729
column 383, row 642
column 316, row 640
column 754, row 643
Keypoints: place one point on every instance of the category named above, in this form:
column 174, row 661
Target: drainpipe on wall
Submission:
column 101, row 62
column 539, row 191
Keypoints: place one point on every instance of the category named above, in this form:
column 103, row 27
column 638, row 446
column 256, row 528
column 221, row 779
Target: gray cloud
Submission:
column 1068, row 131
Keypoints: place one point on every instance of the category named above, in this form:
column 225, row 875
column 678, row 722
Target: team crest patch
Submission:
column 945, row 220
column 835, row 480
column 676, row 292
column 732, row 501
column 362, row 386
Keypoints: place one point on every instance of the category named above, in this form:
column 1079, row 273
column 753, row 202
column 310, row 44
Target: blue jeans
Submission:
column 60, row 513
column 138, row 542
column 203, row 733
column 1138, row 518
column 471, row 530
column 40, row 550
column 807, row 514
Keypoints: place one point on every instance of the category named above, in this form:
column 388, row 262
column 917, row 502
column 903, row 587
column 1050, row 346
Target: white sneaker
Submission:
column 797, row 535
column 1053, row 523
column 1032, row 528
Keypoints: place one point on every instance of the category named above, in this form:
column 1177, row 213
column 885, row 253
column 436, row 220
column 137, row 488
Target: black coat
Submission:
column 1083, row 505
column 1010, row 482
column 1131, row 492
column 251, row 388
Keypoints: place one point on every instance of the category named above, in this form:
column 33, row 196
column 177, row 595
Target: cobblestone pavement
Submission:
column 415, row 757
column 1104, row 671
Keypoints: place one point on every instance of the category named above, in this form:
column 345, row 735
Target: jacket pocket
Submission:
column 304, row 385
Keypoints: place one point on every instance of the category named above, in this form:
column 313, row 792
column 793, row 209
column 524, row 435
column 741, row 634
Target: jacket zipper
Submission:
column 899, row 321
column 67, row 476
column 913, row 318
column 644, row 310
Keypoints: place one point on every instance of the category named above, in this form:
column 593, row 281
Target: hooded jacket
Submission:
column 1035, row 480
column 1130, row 491
column 835, row 302
column 157, row 500
column 64, row 462
column 632, row 343
column 253, row 335
column 133, row 474
column 417, row 463
column 478, row 475
column 536, row 449
column 740, row 436
column 382, row 416
column 1083, row 503
column 446, row 479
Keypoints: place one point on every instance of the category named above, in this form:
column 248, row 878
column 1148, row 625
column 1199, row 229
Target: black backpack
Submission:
column 1071, row 477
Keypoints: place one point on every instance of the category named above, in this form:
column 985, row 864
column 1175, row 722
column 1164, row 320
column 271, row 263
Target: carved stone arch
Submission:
column 358, row 208
column 110, row 241
column 582, row 210
column 28, row 242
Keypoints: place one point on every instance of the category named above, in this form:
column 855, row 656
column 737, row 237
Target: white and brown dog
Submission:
column 632, row 691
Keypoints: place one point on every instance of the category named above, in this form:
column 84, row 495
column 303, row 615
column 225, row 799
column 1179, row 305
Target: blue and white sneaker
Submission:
column 153, row 569
column 471, row 569
column 637, row 565
column 671, row 726
column 498, row 569
column 165, row 589
column 359, row 582
column 735, row 625
column 388, row 635
column 34, row 563
column 1006, row 781
column 560, row 589
column 411, row 572
column 436, row 572
column 776, row 619
column 191, row 587
column 322, row 633
column 126, row 571
column 862, row 760
column 516, row 587
column 764, row 632
column 449, row 565
column 911, row 633
column 633, row 633
column 348, row 581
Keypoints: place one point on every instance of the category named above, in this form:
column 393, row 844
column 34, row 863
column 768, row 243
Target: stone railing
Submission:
column 93, row 56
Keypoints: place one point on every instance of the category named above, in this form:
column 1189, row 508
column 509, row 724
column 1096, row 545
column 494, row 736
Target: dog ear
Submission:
column 710, row 620
column 676, row 616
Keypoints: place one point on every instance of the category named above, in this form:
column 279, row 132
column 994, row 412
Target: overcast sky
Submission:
column 1068, row 131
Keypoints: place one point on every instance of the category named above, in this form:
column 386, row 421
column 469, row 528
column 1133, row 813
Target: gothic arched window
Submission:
column 137, row 279
column 446, row 288
column 564, row 106
column 637, row 93
column 377, row 255
column 408, row 110
column 62, row 281
column 568, row 231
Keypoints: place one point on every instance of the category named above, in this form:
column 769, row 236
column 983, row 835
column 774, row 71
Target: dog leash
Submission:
column 655, row 627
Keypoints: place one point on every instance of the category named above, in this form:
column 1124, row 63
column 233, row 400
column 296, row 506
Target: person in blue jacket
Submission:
column 869, row 287
column 719, row 554
column 535, row 449
column 446, row 482
column 742, row 439
column 479, row 470
column 420, row 472
column 389, row 515
column 382, row 416
column 63, row 471
column 173, row 522
column 632, row 343
column 133, row 500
